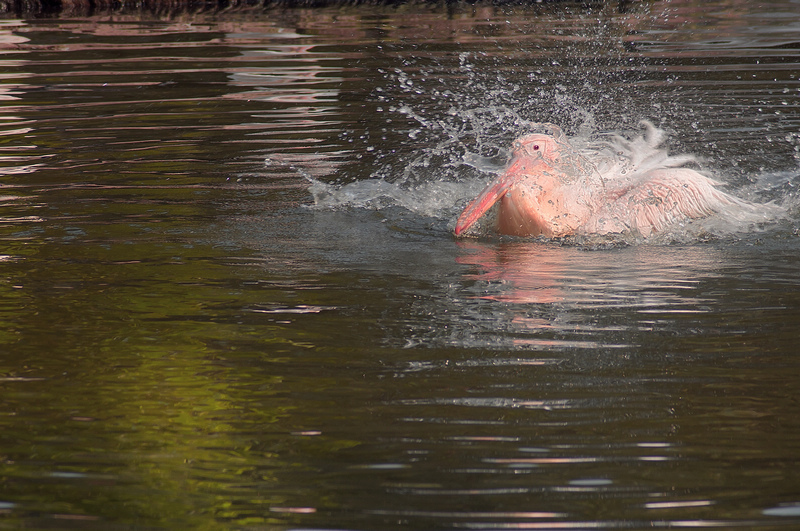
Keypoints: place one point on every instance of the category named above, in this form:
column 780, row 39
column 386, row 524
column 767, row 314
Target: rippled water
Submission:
column 231, row 299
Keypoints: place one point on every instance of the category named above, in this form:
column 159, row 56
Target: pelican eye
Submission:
column 536, row 147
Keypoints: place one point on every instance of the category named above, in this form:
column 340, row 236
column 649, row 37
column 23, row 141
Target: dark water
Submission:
column 189, row 341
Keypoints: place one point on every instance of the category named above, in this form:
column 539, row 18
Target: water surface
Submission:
column 231, row 299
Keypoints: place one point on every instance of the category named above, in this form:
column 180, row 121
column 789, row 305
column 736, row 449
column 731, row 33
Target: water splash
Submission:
column 436, row 199
column 764, row 203
column 451, row 119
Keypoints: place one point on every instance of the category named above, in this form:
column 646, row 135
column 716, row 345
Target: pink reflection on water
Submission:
column 525, row 272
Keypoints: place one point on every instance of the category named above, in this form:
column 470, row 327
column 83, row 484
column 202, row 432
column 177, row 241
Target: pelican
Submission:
column 551, row 188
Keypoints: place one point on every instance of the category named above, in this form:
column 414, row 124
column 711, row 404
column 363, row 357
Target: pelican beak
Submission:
column 491, row 194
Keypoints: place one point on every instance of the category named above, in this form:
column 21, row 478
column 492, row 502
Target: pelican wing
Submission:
column 658, row 199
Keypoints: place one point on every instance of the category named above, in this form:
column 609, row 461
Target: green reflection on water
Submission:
column 127, row 396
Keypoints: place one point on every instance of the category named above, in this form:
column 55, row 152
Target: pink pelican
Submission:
column 553, row 189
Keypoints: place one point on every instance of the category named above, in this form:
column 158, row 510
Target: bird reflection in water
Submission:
column 520, row 272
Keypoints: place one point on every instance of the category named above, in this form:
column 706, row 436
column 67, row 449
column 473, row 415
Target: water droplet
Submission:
column 783, row 510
